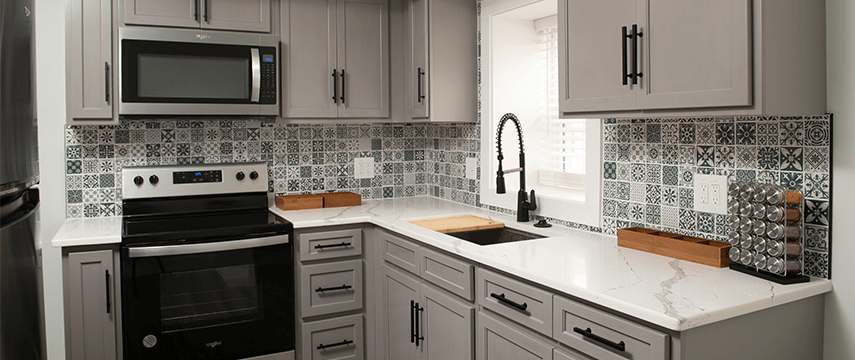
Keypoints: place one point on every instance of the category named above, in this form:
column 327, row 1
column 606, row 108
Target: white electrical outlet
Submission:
column 471, row 168
column 709, row 194
column 363, row 168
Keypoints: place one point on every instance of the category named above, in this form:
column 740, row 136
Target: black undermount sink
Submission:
column 495, row 236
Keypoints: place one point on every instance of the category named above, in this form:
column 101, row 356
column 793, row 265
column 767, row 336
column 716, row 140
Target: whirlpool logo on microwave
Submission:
column 214, row 344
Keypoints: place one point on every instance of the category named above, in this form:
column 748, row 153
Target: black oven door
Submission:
column 215, row 300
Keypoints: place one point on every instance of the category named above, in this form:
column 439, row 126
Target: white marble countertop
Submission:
column 91, row 231
column 675, row 294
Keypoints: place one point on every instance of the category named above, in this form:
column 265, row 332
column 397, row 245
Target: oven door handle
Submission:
column 256, row 75
column 153, row 251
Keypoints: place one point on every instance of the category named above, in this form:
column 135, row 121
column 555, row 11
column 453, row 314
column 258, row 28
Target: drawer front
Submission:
column 522, row 303
column 339, row 338
column 606, row 334
column 499, row 341
column 451, row 274
column 558, row 355
column 330, row 244
column 400, row 252
column 331, row 288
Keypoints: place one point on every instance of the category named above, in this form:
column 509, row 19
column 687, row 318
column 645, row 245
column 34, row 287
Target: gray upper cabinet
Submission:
column 89, row 61
column 335, row 59
column 440, row 70
column 90, row 306
column 729, row 57
column 239, row 15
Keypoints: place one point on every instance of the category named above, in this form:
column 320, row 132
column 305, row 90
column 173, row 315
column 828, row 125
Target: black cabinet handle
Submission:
column 420, row 74
column 621, row 346
column 107, row 277
column 418, row 329
column 412, row 321
column 206, row 9
column 635, row 35
column 343, row 87
column 107, row 82
column 623, row 39
column 196, row 10
column 502, row 299
column 345, row 342
column 334, row 87
column 321, row 247
column 343, row 287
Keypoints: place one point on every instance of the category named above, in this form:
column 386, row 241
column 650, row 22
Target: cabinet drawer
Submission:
column 331, row 288
column 401, row 252
column 608, row 332
column 330, row 244
column 339, row 338
column 522, row 303
column 448, row 273
column 498, row 340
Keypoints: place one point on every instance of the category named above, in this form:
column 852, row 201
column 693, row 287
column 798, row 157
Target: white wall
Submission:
column 50, row 73
column 839, row 305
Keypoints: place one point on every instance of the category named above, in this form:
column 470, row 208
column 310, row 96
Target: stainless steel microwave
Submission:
column 192, row 72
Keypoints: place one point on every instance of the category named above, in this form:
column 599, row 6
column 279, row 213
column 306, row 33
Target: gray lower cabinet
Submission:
column 397, row 324
column 499, row 341
column 335, row 58
column 340, row 338
column 91, row 305
column 89, row 62
column 331, row 288
column 239, row 15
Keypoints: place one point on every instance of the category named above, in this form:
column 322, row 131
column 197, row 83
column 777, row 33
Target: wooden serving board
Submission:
column 458, row 224
column 689, row 248
column 340, row 199
column 299, row 202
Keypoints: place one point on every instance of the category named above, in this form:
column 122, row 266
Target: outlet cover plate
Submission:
column 471, row 168
column 363, row 168
column 708, row 183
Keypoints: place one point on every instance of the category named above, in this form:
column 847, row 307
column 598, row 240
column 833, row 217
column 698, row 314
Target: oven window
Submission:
column 183, row 77
column 192, row 300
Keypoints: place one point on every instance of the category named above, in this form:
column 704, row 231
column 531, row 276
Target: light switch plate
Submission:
column 471, row 168
column 711, row 194
column 363, row 168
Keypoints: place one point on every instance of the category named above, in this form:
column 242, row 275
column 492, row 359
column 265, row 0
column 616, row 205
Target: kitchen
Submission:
column 52, row 115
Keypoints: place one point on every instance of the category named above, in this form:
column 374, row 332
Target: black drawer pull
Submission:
column 502, row 299
column 418, row 336
column 343, row 287
column 321, row 247
column 621, row 346
column 107, row 276
column 346, row 342
column 623, row 38
column 412, row 322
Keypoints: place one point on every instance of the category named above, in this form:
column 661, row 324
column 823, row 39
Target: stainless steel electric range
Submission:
column 207, row 271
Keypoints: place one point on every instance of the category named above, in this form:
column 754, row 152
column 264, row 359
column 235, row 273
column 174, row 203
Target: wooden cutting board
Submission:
column 458, row 224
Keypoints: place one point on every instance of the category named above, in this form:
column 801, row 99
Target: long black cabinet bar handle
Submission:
column 635, row 35
column 623, row 38
column 195, row 10
column 206, row 10
column 421, row 73
column 343, row 287
column 345, row 342
column 621, row 346
column 418, row 329
column 107, row 82
column 343, row 88
column 107, row 277
column 501, row 298
column 412, row 321
column 321, row 247
column 334, row 86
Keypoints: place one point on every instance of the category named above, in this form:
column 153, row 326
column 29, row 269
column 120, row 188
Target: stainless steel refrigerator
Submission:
column 21, row 309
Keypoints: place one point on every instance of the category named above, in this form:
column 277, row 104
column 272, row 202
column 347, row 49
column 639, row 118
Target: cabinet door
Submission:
column 89, row 62
column 448, row 326
column 397, row 321
column 416, row 60
column 363, row 58
column 179, row 13
column 92, row 327
column 241, row 15
column 497, row 341
column 590, row 55
column 695, row 53
column 309, row 59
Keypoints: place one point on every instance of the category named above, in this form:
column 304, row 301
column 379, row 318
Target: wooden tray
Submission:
column 299, row 202
column 458, row 223
column 689, row 248
column 339, row 199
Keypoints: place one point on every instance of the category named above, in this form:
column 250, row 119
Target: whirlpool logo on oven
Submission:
column 214, row 344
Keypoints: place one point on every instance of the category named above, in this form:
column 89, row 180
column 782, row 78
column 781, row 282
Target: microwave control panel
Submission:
column 268, row 76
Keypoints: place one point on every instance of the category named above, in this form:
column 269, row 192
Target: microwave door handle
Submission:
column 154, row 251
column 256, row 75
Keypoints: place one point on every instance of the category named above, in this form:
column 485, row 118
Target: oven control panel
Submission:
column 189, row 180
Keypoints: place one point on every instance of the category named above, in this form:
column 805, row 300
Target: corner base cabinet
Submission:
column 92, row 309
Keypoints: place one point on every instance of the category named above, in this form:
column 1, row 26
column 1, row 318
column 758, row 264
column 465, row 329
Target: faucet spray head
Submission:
column 500, row 183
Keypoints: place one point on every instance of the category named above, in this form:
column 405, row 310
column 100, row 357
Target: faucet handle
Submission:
column 532, row 202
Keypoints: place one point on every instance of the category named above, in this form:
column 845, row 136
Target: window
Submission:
column 520, row 76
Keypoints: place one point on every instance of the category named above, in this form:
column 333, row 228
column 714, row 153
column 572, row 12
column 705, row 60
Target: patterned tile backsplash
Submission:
column 649, row 166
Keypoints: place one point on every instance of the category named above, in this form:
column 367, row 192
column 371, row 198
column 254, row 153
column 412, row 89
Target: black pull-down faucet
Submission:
column 523, row 204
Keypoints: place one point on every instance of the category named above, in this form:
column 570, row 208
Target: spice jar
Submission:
column 746, row 242
column 759, row 227
column 780, row 248
column 746, row 225
column 779, row 266
column 760, row 261
column 734, row 254
column 775, row 231
column 775, row 195
column 733, row 190
column 733, row 238
column 794, row 197
column 793, row 232
column 734, row 222
column 775, row 213
column 760, row 193
column 760, row 245
column 793, row 214
column 759, row 211
column 746, row 257
column 746, row 209
column 733, row 207
column 746, row 191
